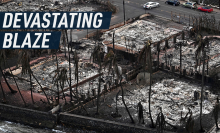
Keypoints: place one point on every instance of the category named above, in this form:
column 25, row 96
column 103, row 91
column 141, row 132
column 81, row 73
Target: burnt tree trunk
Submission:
column 203, row 72
column 12, row 91
column 3, row 93
column 123, row 100
column 31, row 89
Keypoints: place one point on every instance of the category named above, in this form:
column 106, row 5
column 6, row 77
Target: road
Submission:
column 165, row 10
column 134, row 8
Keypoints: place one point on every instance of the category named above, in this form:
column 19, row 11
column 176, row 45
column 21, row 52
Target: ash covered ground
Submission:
column 173, row 94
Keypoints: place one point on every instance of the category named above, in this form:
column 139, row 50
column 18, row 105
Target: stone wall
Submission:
column 27, row 116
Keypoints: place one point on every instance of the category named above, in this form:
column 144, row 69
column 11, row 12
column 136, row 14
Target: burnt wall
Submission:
column 101, row 125
column 27, row 116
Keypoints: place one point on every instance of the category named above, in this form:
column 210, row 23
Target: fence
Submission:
column 181, row 18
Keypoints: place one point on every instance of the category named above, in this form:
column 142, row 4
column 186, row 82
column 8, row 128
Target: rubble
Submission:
column 189, row 58
column 137, row 33
column 45, row 5
column 174, row 96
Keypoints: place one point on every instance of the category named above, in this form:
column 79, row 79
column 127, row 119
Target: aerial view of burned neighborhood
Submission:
column 155, row 70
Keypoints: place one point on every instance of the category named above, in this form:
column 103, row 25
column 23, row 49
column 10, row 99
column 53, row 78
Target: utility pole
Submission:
column 124, row 10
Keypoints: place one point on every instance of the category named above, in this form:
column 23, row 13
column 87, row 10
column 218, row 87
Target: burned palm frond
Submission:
column 108, row 60
column 56, row 74
column 61, row 78
column 160, row 122
column 95, row 55
column 24, row 59
column 200, row 43
column 144, row 51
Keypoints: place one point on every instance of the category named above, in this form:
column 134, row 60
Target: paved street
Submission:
column 134, row 8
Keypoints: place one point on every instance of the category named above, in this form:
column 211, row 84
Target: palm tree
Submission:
column 146, row 54
column 64, row 42
column 96, row 55
column 17, row 86
column 76, row 61
column 123, row 100
column 24, row 59
column 180, row 58
column 158, row 54
column 3, row 60
column 111, row 60
column 56, row 83
column 3, row 93
column 69, row 65
column 61, row 78
column 201, row 43
column 160, row 121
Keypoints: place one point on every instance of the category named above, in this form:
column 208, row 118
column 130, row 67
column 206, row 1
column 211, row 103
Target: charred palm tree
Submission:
column 76, row 64
column 76, row 61
column 3, row 93
column 145, row 55
column 160, row 122
column 112, row 58
column 69, row 65
column 201, row 43
column 108, row 61
column 17, row 86
column 158, row 54
column 180, row 58
column 24, row 59
column 60, row 78
column 64, row 42
column 3, row 60
column 96, row 55
column 165, row 48
column 58, row 94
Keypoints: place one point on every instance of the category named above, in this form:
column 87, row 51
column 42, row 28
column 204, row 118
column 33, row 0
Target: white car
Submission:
column 150, row 5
